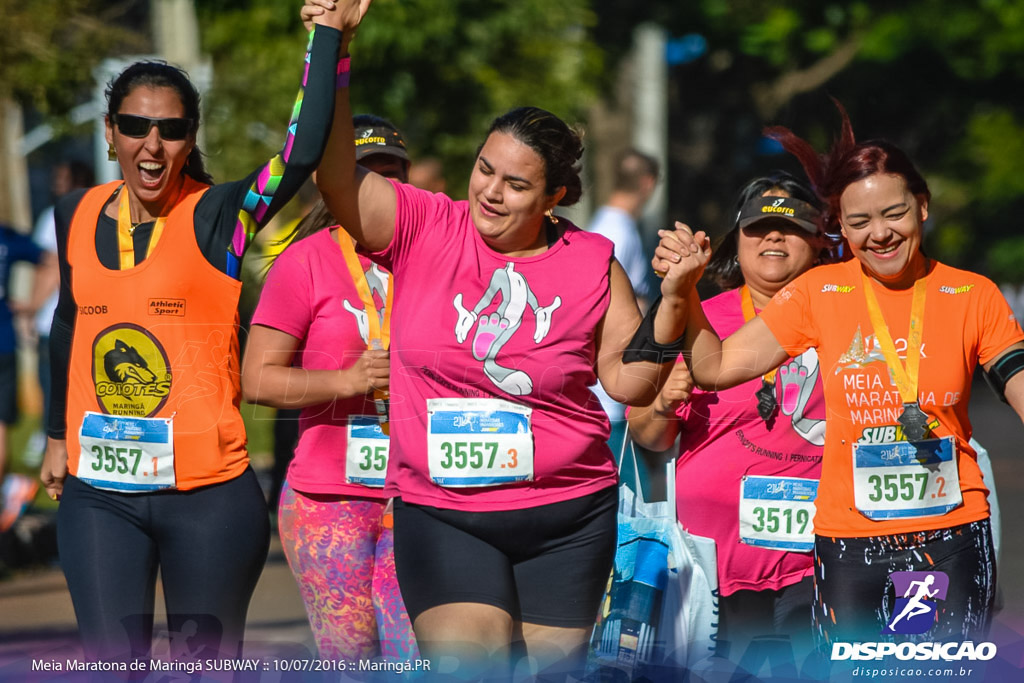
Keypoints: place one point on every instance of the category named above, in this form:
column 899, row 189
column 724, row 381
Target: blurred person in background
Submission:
column 636, row 177
column 428, row 174
column 67, row 176
column 16, row 490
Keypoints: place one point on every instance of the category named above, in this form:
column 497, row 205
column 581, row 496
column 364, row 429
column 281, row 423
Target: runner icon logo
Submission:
column 916, row 594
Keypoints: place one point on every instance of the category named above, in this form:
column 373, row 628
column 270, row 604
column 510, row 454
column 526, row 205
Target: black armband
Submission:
column 643, row 348
column 1002, row 370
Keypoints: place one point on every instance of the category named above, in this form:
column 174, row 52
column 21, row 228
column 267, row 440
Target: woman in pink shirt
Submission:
column 750, row 456
column 504, row 316
column 318, row 342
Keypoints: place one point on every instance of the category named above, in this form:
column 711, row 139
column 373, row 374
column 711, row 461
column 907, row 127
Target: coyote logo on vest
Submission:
column 124, row 364
column 130, row 371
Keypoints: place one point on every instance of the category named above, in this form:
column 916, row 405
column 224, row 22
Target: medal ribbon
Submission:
column 905, row 378
column 125, row 241
column 379, row 331
column 747, row 304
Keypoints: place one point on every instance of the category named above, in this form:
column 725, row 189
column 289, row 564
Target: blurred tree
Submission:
column 49, row 49
column 46, row 62
column 440, row 69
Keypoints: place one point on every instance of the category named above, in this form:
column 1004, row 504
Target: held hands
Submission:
column 371, row 372
column 55, row 467
column 344, row 15
column 680, row 258
column 677, row 391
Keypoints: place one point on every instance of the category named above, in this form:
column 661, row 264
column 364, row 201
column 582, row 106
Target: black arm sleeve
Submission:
column 642, row 346
column 63, row 319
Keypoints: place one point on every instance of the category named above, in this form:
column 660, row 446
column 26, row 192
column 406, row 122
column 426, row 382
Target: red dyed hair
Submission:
column 847, row 162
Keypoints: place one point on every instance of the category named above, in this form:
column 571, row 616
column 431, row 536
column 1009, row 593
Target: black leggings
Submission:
column 854, row 598
column 210, row 545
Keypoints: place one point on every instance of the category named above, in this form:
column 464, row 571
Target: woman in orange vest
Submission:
column 147, row 449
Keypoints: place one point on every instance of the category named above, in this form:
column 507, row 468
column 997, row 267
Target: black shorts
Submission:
column 8, row 388
column 547, row 565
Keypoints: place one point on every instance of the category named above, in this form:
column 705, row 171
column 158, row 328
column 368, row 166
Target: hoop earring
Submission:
column 111, row 152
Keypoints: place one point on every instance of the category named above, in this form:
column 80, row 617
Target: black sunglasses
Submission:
column 138, row 126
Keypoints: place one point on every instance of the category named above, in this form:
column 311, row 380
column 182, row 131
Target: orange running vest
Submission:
column 158, row 340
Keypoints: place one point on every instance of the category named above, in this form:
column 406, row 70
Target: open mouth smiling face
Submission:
column 151, row 165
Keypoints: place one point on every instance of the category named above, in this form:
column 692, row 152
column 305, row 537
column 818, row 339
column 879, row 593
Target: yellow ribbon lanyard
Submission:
column 379, row 330
column 125, row 231
column 378, row 334
column 905, row 378
column 747, row 304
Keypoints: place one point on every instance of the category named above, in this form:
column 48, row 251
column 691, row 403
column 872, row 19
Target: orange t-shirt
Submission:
column 966, row 322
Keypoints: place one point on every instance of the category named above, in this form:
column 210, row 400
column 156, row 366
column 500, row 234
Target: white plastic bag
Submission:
column 661, row 607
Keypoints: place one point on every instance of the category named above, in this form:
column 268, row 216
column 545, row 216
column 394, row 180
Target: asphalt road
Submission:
column 37, row 620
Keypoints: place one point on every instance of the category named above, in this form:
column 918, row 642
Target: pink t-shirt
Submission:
column 305, row 295
column 441, row 264
column 724, row 438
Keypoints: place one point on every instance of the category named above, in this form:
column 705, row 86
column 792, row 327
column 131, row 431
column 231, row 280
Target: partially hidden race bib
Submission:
column 127, row 454
column 906, row 479
column 778, row 512
column 478, row 442
column 367, row 450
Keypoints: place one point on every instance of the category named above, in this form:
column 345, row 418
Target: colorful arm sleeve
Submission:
column 310, row 124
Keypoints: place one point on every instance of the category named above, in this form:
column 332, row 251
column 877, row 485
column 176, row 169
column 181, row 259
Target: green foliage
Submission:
column 1006, row 260
column 995, row 143
column 49, row 49
column 772, row 37
column 440, row 69
column 888, row 37
column 257, row 50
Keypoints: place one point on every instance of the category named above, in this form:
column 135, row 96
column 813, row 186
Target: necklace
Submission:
column 126, row 228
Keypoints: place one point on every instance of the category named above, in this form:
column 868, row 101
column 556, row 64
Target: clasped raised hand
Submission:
column 344, row 15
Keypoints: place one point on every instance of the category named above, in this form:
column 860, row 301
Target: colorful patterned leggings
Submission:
column 343, row 558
